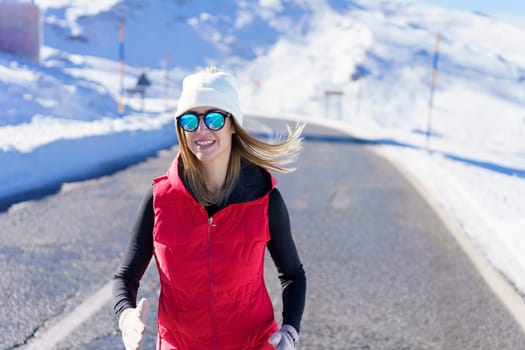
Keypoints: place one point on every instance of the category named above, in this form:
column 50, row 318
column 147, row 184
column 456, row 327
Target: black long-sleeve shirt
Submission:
column 281, row 246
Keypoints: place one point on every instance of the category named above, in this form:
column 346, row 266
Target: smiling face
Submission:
column 210, row 146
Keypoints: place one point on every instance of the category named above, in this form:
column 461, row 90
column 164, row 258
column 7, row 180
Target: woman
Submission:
column 208, row 222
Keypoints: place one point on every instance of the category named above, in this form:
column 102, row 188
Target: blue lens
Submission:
column 189, row 122
column 214, row 120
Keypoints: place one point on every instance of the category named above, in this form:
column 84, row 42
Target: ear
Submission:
column 233, row 125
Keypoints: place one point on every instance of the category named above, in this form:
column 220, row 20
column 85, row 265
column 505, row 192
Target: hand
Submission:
column 132, row 323
column 285, row 338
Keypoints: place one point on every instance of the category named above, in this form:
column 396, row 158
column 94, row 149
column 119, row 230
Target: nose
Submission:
column 201, row 126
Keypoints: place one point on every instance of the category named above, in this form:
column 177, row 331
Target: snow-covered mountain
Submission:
column 288, row 55
column 189, row 32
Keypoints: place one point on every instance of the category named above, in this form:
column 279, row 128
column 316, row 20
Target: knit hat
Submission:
column 210, row 87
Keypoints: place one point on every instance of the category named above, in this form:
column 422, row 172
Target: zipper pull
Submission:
column 210, row 221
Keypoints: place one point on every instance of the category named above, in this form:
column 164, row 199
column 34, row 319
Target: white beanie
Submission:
column 213, row 88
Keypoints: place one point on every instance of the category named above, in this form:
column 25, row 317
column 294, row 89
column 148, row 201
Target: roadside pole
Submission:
column 121, row 107
column 165, row 66
column 432, row 87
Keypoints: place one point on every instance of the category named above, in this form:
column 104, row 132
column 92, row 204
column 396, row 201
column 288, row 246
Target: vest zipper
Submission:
column 211, row 306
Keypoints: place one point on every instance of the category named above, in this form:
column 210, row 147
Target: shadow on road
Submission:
column 391, row 142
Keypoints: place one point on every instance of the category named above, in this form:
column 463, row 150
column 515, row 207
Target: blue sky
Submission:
column 511, row 8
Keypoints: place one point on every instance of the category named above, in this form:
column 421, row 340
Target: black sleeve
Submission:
column 284, row 254
column 136, row 258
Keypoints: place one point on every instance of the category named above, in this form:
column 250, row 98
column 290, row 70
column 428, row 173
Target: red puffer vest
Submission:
column 213, row 294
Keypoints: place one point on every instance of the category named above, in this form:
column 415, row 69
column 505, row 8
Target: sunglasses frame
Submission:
column 203, row 116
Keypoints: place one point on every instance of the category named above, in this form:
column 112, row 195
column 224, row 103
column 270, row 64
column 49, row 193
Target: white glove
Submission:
column 132, row 323
column 285, row 338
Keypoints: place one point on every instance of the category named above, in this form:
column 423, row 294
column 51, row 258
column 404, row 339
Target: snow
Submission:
column 59, row 119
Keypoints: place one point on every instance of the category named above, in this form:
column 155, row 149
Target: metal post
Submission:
column 165, row 63
column 328, row 95
column 121, row 106
column 432, row 87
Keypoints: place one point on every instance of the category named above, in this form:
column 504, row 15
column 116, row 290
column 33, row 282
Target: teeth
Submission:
column 204, row 143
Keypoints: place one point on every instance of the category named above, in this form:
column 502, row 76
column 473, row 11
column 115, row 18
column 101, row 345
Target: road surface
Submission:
column 383, row 272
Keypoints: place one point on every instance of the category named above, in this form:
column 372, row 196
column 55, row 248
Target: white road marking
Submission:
column 58, row 332
column 500, row 285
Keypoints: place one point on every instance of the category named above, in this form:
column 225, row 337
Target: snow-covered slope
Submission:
column 189, row 33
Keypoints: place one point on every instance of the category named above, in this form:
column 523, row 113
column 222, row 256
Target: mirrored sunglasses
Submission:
column 214, row 120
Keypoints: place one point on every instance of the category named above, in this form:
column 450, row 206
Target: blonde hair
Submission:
column 276, row 156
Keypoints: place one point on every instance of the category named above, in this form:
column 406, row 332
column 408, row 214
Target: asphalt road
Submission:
column 383, row 272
